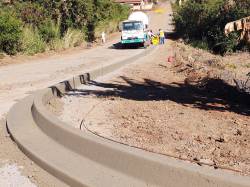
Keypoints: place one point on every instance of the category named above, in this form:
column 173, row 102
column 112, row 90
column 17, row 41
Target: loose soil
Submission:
column 188, row 108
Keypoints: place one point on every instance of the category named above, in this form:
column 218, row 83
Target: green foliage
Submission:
column 85, row 15
column 55, row 24
column 204, row 20
column 106, row 26
column 202, row 44
column 31, row 13
column 32, row 42
column 72, row 38
column 10, row 33
column 49, row 31
column 109, row 21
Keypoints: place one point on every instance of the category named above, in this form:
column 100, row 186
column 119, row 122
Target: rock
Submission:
column 195, row 159
column 238, row 133
column 206, row 161
column 220, row 139
column 216, row 167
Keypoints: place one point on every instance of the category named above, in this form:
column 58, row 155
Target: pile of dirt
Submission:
column 214, row 74
column 186, row 110
column 199, row 66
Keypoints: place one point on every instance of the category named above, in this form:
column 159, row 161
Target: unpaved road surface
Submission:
column 151, row 106
column 21, row 79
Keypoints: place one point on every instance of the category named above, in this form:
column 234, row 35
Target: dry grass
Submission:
column 32, row 42
column 72, row 38
column 107, row 27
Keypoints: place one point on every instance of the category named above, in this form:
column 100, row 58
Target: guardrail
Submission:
column 83, row 159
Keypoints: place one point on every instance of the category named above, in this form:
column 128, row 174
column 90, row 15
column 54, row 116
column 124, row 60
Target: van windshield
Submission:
column 127, row 26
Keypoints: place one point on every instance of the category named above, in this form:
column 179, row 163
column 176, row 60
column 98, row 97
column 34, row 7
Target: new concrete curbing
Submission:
column 82, row 159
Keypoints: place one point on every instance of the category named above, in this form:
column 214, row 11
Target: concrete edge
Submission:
column 17, row 134
column 173, row 169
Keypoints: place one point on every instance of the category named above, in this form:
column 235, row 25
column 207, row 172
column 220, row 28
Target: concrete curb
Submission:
column 83, row 159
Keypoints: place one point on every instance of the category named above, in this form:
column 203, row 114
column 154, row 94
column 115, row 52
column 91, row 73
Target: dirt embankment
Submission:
column 188, row 109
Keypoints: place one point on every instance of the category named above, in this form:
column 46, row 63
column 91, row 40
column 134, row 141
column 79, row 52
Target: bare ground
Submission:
column 189, row 109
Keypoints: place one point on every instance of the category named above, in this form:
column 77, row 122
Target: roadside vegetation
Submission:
column 33, row 26
column 201, row 23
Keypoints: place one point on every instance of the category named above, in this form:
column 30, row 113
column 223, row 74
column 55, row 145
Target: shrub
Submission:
column 32, row 42
column 49, row 31
column 72, row 38
column 56, row 24
column 226, row 44
column 11, row 33
column 31, row 13
column 204, row 20
column 108, row 16
column 202, row 44
column 107, row 26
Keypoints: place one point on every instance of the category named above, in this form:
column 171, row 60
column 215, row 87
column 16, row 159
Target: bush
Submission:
column 49, row 31
column 204, row 20
column 109, row 15
column 56, row 24
column 106, row 26
column 202, row 44
column 11, row 33
column 72, row 38
column 32, row 42
column 31, row 13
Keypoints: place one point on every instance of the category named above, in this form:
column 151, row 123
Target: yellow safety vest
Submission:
column 161, row 34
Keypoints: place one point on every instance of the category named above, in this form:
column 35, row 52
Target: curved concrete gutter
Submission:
column 83, row 159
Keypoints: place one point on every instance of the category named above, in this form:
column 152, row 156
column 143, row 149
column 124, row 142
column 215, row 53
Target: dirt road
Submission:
column 20, row 80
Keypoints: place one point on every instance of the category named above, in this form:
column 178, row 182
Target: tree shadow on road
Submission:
column 215, row 94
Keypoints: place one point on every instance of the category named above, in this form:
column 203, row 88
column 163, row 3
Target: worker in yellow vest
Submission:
column 162, row 36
